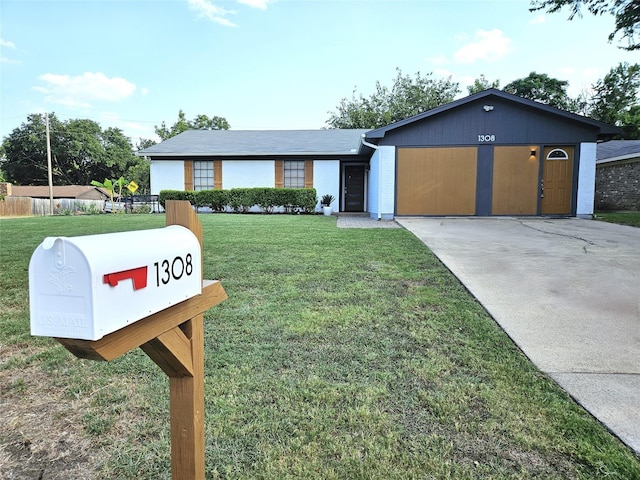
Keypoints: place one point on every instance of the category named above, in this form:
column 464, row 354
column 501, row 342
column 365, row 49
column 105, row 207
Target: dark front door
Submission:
column 354, row 188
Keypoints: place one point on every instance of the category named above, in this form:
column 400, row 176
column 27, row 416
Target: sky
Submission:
column 271, row 64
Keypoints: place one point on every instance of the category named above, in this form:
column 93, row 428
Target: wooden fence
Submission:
column 22, row 206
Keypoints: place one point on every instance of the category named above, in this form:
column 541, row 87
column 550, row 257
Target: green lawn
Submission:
column 623, row 218
column 340, row 354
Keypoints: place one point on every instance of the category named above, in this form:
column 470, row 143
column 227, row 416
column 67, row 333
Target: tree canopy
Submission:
column 200, row 122
column 407, row 97
column 81, row 152
column 542, row 88
column 480, row 84
column 616, row 95
column 626, row 13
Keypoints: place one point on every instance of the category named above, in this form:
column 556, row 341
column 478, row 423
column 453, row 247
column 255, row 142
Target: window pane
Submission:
column 202, row 175
column 294, row 174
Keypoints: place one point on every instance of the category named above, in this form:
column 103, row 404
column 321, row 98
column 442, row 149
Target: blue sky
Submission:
column 270, row 64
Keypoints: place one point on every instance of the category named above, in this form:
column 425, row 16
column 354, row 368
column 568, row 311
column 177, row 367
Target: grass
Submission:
column 623, row 218
column 339, row 354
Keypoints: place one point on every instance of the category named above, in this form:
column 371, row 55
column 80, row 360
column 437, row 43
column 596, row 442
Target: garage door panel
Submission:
column 515, row 181
column 437, row 181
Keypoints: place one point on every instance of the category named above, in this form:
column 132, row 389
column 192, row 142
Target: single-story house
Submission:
column 618, row 175
column 491, row 153
column 75, row 192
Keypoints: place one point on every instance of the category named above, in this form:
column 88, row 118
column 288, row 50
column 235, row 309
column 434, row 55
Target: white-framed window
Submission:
column 203, row 175
column 293, row 174
column 557, row 154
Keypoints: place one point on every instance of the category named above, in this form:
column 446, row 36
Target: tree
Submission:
column 616, row 95
column 544, row 89
column 626, row 13
column 81, row 152
column 200, row 122
column 481, row 84
column 631, row 123
column 407, row 97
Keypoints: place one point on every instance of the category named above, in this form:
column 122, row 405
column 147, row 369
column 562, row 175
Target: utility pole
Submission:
column 46, row 116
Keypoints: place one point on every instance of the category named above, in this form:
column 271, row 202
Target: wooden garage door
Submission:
column 437, row 181
column 515, row 188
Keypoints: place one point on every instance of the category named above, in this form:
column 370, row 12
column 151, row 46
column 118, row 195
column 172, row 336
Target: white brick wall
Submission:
column 586, row 180
column 248, row 174
column 382, row 183
column 326, row 180
column 166, row 175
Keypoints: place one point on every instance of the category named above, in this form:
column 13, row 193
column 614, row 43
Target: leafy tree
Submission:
column 141, row 174
column 631, row 123
column 481, row 84
column 616, row 95
column 407, row 97
column 626, row 13
column 544, row 89
column 144, row 143
column 201, row 122
column 81, row 152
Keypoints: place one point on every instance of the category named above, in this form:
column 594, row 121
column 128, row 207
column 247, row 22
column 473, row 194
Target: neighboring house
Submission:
column 491, row 153
column 75, row 192
column 618, row 175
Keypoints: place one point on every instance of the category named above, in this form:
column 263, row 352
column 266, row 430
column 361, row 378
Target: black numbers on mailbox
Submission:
column 173, row 270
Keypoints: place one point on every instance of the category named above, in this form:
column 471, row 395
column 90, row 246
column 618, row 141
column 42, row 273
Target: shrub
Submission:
column 241, row 199
column 267, row 199
column 293, row 200
column 177, row 195
column 307, row 199
column 216, row 200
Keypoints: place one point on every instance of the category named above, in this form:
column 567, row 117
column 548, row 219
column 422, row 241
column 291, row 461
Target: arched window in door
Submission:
column 557, row 154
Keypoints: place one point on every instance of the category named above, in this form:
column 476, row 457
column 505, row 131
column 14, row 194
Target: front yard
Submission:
column 340, row 354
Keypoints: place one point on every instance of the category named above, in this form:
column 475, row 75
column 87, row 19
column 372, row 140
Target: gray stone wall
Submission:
column 618, row 186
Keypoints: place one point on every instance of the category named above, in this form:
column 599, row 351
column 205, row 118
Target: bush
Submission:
column 216, row 200
column 293, row 200
column 177, row 195
column 307, row 199
column 242, row 199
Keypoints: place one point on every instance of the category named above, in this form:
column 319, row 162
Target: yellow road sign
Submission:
column 133, row 186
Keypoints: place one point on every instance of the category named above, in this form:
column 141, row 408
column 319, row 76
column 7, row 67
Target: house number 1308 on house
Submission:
column 487, row 138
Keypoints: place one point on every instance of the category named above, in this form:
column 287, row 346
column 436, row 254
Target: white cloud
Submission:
column 261, row 4
column 489, row 45
column 144, row 91
column 82, row 90
column 538, row 20
column 7, row 44
column 206, row 9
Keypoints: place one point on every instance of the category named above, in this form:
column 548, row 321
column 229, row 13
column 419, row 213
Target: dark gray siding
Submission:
column 484, row 180
column 511, row 123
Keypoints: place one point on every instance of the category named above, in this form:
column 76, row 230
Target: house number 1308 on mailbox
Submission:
column 87, row 287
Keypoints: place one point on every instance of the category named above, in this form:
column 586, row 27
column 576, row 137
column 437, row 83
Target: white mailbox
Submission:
column 87, row 287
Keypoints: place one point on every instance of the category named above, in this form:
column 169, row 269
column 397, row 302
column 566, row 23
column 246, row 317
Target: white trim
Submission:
column 586, row 180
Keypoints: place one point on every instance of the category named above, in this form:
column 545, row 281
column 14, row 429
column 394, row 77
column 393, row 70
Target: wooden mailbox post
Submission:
column 174, row 339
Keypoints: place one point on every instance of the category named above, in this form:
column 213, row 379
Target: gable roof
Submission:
column 617, row 150
column 605, row 130
column 63, row 191
column 259, row 142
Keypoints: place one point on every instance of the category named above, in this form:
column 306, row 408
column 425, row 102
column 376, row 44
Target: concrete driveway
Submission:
column 567, row 291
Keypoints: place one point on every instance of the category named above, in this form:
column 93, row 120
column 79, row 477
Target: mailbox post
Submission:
column 174, row 339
